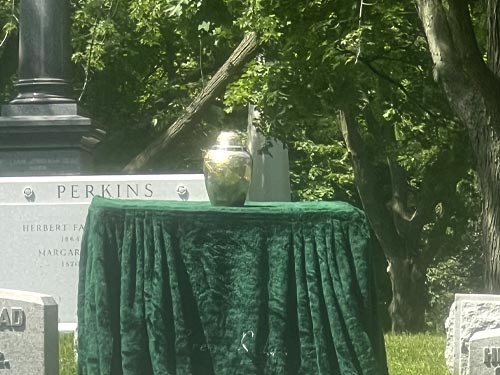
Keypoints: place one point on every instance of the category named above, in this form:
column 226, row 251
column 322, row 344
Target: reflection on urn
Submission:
column 228, row 169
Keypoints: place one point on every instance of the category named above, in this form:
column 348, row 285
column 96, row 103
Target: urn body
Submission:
column 227, row 167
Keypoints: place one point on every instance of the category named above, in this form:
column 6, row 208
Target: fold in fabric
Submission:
column 186, row 288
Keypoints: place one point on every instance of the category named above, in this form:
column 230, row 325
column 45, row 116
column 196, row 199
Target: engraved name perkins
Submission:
column 12, row 318
column 79, row 191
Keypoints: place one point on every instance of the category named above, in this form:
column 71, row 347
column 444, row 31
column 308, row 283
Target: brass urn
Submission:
column 228, row 169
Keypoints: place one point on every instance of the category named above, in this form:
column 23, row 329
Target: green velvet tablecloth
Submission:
column 186, row 288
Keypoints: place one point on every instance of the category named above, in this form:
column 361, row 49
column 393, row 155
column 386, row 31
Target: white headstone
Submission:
column 484, row 353
column 271, row 170
column 42, row 220
column 29, row 340
column 470, row 313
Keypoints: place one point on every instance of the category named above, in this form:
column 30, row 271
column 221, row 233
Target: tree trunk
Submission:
column 473, row 91
column 486, row 142
column 494, row 36
column 489, row 159
column 407, row 308
column 393, row 226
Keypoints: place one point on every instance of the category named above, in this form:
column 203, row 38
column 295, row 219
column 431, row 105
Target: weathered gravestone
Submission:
column 484, row 353
column 29, row 340
column 469, row 314
column 42, row 221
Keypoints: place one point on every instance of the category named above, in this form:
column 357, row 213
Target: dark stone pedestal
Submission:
column 41, row 131
column 45, row 139
column 44, row 52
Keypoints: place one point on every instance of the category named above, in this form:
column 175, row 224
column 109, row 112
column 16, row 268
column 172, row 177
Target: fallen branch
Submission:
column 245, row 51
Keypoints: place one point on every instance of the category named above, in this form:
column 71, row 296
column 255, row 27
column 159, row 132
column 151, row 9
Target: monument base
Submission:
column 46, row 139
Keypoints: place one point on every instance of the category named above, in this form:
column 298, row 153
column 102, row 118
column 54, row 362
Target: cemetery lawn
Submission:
column 67, row 363
column 417, row 354
column 420, row 354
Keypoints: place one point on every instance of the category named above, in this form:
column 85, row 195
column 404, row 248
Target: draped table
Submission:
column 186, row 288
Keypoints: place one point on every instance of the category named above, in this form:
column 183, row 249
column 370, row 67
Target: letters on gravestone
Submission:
column 484, row 353
column 29, row 340
column 11, row 319
column 42, row 221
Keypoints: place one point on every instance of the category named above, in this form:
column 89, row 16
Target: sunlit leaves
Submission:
column 321, row 171
column 8, row 20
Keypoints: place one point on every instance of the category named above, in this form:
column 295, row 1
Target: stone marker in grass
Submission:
column 469, row 314
column 29, row 340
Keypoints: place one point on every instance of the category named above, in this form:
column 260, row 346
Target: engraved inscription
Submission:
column 58, row 252
column 87, row 191
column 12, row 318
column 491, row 356
column 45, row 227
column 4, row 363
column 65, row 238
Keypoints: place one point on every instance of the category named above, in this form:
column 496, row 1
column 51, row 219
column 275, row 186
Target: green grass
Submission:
column 421, row 354
column 67, row 363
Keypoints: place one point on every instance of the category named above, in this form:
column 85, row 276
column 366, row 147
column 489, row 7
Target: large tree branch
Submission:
column 464, row 36
column 466, row 81
column 240, row 56
column 369, row 63
column 438, row 34
column 373, row 202
column 397, row 225
column 397, row 205
column 494, row 36
column 449, row 168
column 402, row 215
column 397, row 84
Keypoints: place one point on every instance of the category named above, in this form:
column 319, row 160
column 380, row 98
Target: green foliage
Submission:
column 325, row 58
column 461, row 273
column 8, row 47
column 459, row 269
column 145, row 60
column 139, row 63
column 458, row 264
column 421, row 354
column 8, row 20
column 321, row 172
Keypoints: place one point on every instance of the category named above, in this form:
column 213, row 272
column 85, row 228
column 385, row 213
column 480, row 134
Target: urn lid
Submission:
column 229, row 139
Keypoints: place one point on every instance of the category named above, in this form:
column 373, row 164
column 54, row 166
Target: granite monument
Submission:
column 42, row 221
